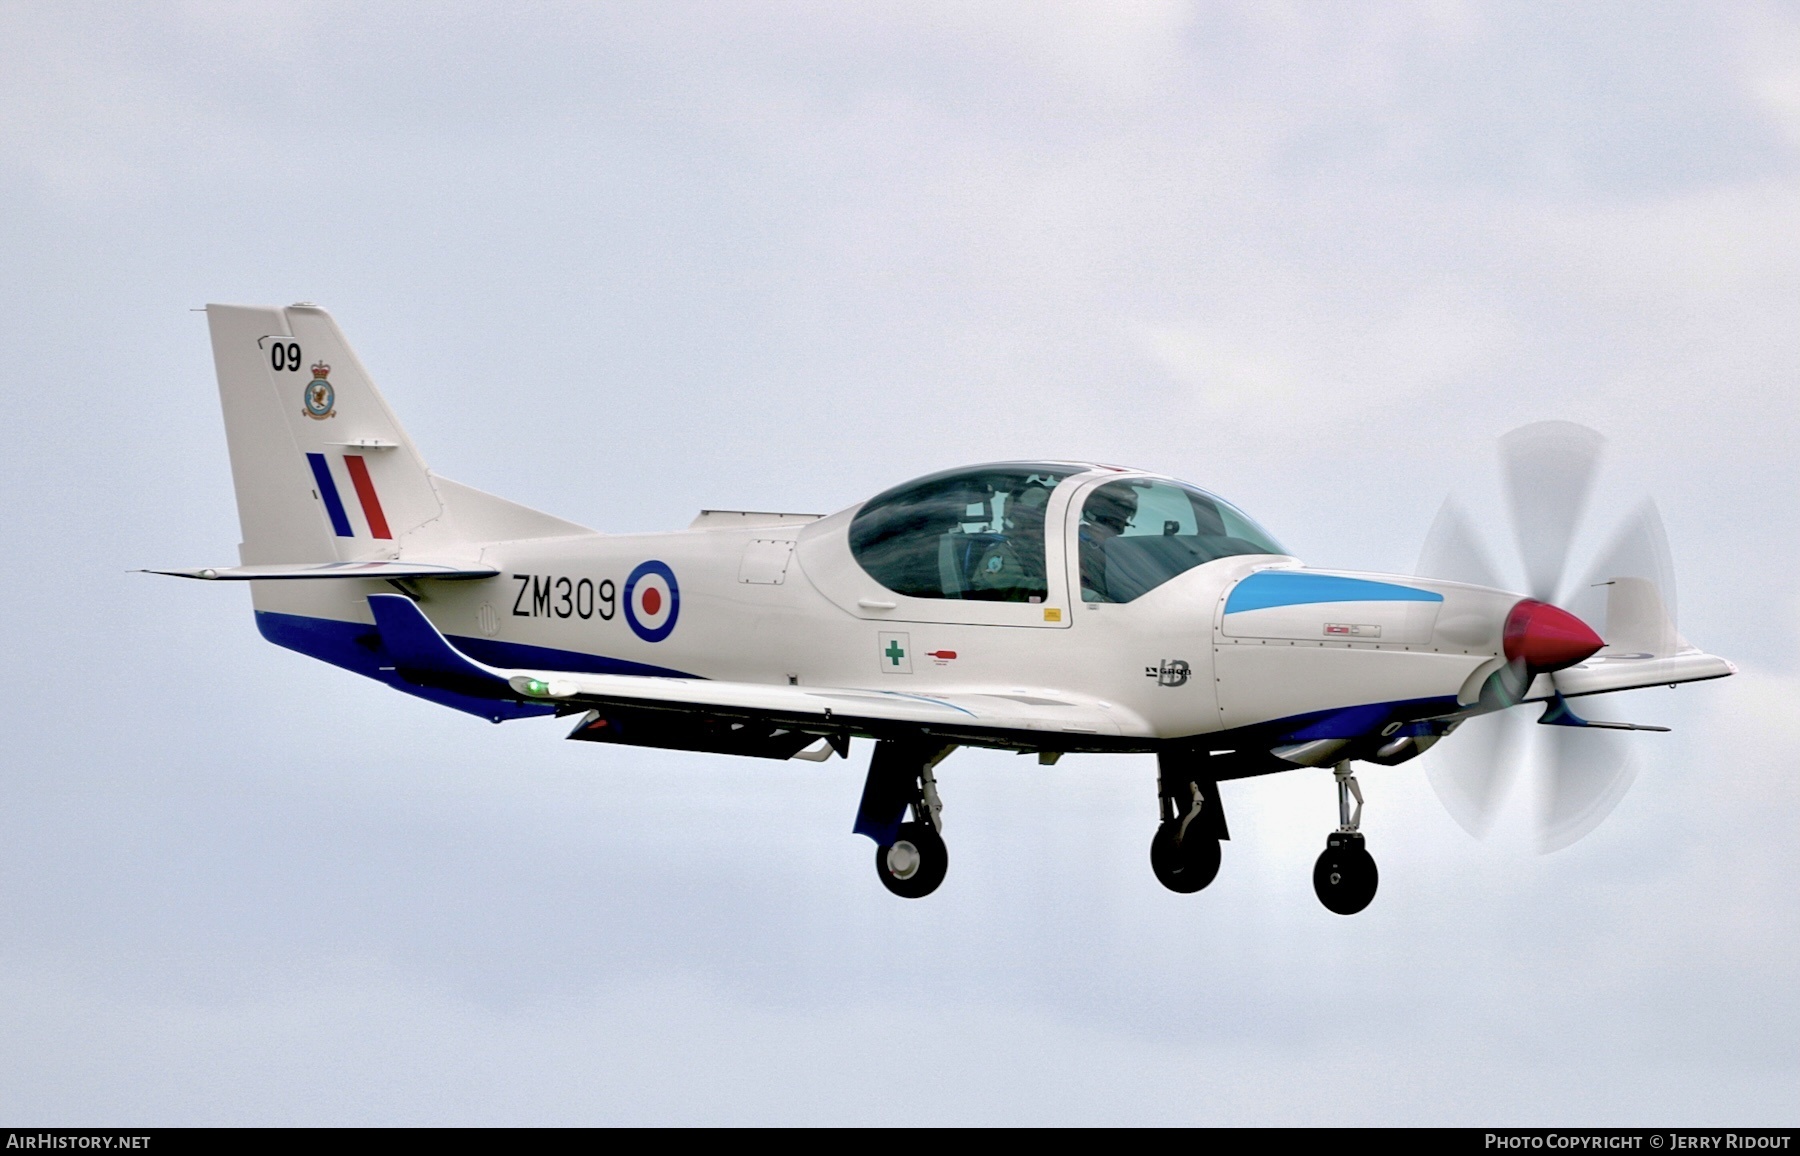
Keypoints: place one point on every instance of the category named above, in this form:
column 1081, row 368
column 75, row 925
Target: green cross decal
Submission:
column 893, row 651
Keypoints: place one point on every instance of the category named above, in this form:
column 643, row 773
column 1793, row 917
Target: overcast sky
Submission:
column 621, row 262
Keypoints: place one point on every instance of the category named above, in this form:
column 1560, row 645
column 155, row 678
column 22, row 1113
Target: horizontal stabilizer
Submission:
column 381, row 570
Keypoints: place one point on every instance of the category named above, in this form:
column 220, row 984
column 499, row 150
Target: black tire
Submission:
column 1187, row 866
column 1345, row 877
column 914, row 864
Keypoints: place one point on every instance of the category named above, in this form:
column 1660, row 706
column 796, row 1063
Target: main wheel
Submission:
column 1185, row 866
column 1345, row 877
column 914, row 864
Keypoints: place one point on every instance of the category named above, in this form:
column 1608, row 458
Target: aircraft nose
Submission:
column 1547, row 637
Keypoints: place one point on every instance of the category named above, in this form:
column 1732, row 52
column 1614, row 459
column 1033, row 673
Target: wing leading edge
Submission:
column 1606, row 674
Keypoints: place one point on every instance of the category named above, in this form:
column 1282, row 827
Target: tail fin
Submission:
column 323, row 470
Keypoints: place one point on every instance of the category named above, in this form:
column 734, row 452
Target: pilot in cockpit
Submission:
column 1108, row 511
column 1012, row 568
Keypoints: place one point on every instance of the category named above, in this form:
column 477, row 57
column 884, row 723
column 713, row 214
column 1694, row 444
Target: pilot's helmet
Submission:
column 1112, row 507
column 1025, row 506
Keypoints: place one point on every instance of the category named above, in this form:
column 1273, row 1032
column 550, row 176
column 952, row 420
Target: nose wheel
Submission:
column 1344, row 877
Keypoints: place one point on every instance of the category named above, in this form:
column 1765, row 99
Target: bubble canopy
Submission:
column 977, row 534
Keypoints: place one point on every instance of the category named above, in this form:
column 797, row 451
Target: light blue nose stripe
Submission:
column 1268, row 588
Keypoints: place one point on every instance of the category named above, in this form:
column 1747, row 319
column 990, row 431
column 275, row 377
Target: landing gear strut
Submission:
column 1185, row 852
column 910, row 856
column 1345, row 877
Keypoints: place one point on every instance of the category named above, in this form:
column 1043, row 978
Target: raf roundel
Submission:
column 652, row 601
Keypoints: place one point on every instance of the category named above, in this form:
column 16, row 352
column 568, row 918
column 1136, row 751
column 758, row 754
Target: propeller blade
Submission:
column 1473, row 772
column 1585, row 772
column 1640, row 549
column 1549, row 470
column 1453, row 551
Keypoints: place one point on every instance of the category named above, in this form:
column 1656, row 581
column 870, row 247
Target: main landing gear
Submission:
column 910, row 856
column 915, row 863
column 1345, row 877
column 1185, row 852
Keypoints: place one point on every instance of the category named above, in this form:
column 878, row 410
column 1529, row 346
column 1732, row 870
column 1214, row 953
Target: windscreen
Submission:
column 1138, row 533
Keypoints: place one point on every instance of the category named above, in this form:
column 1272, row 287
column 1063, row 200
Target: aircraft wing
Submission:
column 831, row 707
column 383, row 568
column 422, row 654
column 1604, row 674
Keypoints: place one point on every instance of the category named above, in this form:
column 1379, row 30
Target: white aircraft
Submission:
column 1040, row 607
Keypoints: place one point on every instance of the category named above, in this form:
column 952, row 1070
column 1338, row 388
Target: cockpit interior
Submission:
column 979, row 533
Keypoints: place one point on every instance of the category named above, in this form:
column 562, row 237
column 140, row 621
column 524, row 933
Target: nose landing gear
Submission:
column 1345, row 877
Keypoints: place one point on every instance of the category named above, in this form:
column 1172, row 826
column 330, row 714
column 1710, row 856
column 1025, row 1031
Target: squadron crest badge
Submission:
column 321, row 399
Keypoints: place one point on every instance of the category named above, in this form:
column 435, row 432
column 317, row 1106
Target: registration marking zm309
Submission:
column 558, row 596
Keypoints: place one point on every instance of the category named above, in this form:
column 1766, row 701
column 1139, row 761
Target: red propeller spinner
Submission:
column 1546, row 637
